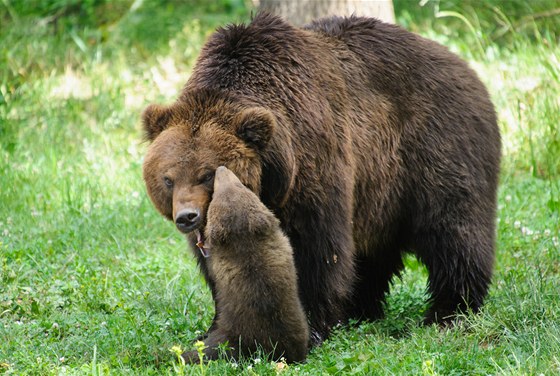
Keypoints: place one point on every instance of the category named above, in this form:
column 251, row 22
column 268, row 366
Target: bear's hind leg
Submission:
column 459, row 260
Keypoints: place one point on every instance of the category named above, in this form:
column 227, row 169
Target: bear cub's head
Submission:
column 236, row 212
column 190, row 139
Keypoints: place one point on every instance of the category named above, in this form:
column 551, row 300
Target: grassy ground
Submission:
column 93, row 281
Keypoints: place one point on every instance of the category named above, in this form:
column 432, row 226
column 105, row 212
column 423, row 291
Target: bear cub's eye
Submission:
column 168, row 182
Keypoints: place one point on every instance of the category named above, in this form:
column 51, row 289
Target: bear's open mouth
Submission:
column 200, row 243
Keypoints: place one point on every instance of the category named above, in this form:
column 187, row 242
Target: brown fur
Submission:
column 376, row 142
column 252, row 265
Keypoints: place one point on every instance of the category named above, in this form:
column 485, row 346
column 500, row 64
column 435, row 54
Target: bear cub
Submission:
column 251, row 262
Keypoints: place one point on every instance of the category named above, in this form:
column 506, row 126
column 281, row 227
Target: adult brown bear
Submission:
column 365, row 140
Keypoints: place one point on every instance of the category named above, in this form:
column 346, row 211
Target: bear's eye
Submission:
column 207, row 177
column 168, row 182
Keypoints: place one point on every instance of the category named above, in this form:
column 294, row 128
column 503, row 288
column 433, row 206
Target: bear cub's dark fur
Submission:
column 251, row 261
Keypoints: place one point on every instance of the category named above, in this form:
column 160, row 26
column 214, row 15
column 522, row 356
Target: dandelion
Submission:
column 517, row 224
column 257, row 360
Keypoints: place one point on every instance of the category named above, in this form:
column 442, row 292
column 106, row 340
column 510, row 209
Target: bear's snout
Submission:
column 187, row 220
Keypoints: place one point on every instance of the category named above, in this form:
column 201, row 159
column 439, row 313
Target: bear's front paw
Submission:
column 213, row 345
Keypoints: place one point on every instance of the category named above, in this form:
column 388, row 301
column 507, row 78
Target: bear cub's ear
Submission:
column 255, row 126
column 155, row 120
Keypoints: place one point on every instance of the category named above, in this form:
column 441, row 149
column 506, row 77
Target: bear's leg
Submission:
column 211, row 350
column 210, row 282
column 373, row 277
column 460, row 260
column 323, row 254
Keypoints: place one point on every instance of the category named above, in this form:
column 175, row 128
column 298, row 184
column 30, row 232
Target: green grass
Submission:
column 94, row 281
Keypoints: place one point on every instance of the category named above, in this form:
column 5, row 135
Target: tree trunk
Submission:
column 300, row 12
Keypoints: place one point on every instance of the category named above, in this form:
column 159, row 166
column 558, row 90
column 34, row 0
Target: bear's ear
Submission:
column 255, row 126
column 155, row 119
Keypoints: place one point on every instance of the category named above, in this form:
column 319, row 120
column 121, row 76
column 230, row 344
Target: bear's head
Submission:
column 236, row 212
column 190, row 139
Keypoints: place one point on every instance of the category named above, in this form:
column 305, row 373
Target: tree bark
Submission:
column 300, row 12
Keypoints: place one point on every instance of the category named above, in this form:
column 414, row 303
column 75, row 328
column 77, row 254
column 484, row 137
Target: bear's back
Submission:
column 398, row 62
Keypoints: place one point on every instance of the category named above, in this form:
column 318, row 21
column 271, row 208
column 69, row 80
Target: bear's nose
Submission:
column 187, row 220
